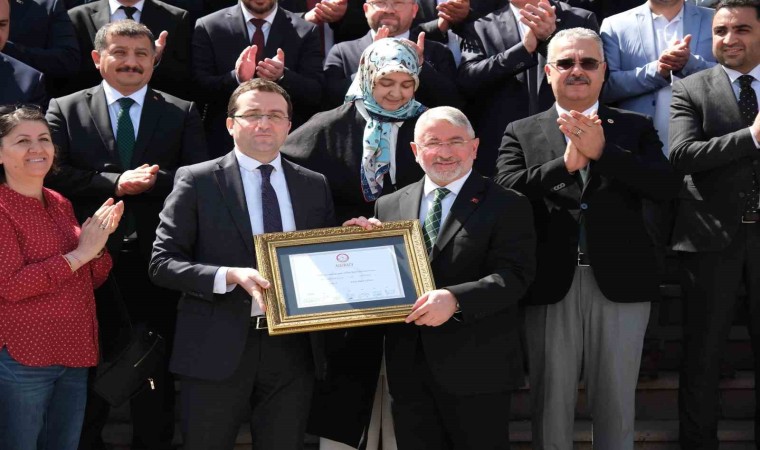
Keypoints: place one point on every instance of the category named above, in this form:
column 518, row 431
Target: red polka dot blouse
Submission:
column 47, row 313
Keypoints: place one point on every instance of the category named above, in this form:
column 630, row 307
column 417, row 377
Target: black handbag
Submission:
column 131, row 370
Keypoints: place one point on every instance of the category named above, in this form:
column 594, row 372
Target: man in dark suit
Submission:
column 503, row 60
column 204, row 247
column 228, row 49
column 589, row 305
column 337, row 20
column 452, row 365
column 170, row 75
column 122, row 138
column 392, row 18
column 714, row 135
column 42, row 37
column 20, row 82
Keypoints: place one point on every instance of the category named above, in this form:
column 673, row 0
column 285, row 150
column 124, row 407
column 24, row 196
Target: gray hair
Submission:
column 128, row 28
column 574, row 34
column 447, row 113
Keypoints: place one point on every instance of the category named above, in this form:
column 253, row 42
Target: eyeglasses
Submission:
column 564, row 64
column 275, row 118
column 7, row 109
column 382, row 4
column 454, row 144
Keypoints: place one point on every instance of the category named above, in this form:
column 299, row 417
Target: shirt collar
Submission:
column 676, row 19
column 404, row 35
column 455, row 186
column 734, row 74
column 248, row 16
column 594, row 107
column 112, row 95
column 250, row 164
column 115, row 5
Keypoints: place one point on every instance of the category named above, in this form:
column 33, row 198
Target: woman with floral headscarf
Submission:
column 362, row 147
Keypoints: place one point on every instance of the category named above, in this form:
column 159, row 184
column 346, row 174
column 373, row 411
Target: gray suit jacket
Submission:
column 711, row 145
column 205, row 225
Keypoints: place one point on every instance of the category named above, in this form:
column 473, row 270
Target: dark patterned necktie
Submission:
column 270, row 207
column 258, row 38
column 748, row 110
column 125, row 133
column 433, row 219
column 129, row 11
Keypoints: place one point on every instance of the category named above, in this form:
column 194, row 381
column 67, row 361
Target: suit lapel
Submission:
column 409, row 202
column 149, row 118
column 464, row 205
column 691, row 23
column 237, row 26
column 298, row 190
column 646, row 31
column 96, row 101
column 148, row 16
column 231, row 188
column 720, row 87
column 276, row 34
column 101, row 15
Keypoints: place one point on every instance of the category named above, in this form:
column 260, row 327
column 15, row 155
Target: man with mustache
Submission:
column 124, row 139
column 714, row 141
column 586, row 169
column 393, row 18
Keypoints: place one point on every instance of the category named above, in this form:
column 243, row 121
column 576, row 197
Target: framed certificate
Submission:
column 342, row 277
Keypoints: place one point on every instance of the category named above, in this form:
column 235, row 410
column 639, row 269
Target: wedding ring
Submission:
column 578, row 132
column 103, row 226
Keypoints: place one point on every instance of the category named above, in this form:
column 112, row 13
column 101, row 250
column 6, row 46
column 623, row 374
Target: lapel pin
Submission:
column 610, row 121
column 475, row 200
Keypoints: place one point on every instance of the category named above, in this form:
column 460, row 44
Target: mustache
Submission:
column 130, row 69
column 578, row 79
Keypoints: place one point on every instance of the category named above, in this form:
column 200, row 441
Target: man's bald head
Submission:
column 5, row 22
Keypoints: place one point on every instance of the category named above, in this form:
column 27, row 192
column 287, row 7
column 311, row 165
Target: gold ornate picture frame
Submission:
column 342, row 277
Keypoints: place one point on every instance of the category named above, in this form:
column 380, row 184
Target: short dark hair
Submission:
column 258, row 84
column 11, row 116
column 740, row 4
column 128, row 28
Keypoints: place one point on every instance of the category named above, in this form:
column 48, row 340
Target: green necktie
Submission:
column 433, row 219
column 125, row 133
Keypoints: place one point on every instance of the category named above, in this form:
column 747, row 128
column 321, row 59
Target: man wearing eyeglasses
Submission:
column 453, row 364
column 502, row 71
column 393, row 18
column 586, row 169
column 228, row 362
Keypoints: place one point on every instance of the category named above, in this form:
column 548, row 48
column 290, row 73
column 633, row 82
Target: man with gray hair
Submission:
column 586, row 169
column 452, row 366
column 121, row 138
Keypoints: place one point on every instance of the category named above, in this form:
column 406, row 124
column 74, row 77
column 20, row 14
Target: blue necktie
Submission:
column 270, row 207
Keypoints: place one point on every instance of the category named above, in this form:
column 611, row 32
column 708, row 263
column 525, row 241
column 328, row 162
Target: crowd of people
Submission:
column 550, row 160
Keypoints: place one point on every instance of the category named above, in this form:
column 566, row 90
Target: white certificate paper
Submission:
column 346, row 276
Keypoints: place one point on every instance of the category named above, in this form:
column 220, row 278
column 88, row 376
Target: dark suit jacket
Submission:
column 427, row 17
column 204, row 225
column 485, row 256
column 631, row 167
column 41, row 36
column 171, row 74
column 710, row 144
column 20, row 83
column 494, row 70
column 352, row 26
column 437, row 78
column 170, row 135
column 331, row 143
column 219, row 39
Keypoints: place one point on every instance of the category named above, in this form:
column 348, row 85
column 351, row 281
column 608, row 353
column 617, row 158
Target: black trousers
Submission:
column 710, row 282
column 426, row 417
column 271, row 389
column 152, row 411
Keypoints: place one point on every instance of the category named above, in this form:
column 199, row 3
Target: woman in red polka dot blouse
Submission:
column 49, row 267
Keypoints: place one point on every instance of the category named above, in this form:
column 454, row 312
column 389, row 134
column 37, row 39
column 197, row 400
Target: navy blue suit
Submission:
column 20, row 83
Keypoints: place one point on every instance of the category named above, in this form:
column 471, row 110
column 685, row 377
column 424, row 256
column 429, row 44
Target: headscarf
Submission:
column 379, row 59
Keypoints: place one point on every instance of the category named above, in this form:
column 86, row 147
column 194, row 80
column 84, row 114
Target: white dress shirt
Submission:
column 428, row 196
column 665, row 34
column 119, row 14
column 734, row 75
column 251, row 177
column 135, row 112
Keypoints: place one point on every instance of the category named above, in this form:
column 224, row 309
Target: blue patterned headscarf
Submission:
column 379, row 59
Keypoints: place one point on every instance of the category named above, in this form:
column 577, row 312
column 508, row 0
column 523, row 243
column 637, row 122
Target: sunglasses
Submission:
column 568, row 63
